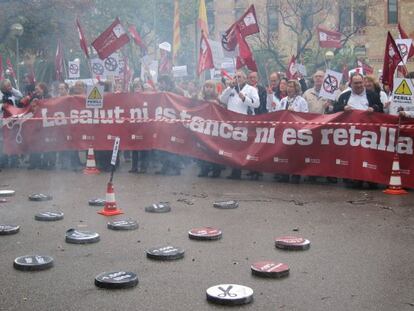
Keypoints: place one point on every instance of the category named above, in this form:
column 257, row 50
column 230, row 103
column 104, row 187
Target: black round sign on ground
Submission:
column 116, row 280
column 7, row 193
column 97, row 202
column 9, row 229
column 162, row 207
column 81, row 237
column 165, row 253
column 125, row 224
column 226, row 204
column 292, row 243
column 40, row 197
column 270, row 269
column 205, row 233
column 230, row 294
column 49, row 216
column 33, row 263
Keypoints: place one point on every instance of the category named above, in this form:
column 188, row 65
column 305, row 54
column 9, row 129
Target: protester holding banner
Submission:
column 316, row 103
column 371, row 84
column 358, row 97
column 239, row 97
column 209, row 93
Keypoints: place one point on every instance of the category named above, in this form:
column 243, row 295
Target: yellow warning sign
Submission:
column 95, row 94
column 403, row 89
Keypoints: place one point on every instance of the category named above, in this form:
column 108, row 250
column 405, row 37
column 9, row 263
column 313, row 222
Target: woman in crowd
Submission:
column 292, row 102
column 209, row 93
column 372, row 84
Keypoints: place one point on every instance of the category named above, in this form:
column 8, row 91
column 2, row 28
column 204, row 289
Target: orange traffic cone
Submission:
column 91, row 163
column 110, row 208
column 395, row 186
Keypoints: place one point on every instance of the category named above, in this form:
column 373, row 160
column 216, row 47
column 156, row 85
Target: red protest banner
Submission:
column 111, row 40
column 352, row 144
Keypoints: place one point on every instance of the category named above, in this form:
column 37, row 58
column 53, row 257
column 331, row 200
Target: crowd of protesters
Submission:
column 243, row 94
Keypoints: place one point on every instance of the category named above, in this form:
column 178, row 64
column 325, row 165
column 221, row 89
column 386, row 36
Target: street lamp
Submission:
column 329, row 55
column 16, row 30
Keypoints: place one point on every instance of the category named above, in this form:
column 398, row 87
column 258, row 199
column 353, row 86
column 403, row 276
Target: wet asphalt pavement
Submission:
column 361, row 256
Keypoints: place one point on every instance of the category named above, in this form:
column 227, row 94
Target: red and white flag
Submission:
column 59, row 70
column 82, row 39
column 205, row 59
column 329, row 38
column 111, row 40
column 247, row 25
column 291, row 72
column 368, row 70
column 404, row 35
column 245, row 57
column 137, row 38
column 392, row 58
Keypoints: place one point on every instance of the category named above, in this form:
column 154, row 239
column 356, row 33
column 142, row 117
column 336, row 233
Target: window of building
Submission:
column 352, row 17
column 272, row 16
column 392, row 10
column 239, row 8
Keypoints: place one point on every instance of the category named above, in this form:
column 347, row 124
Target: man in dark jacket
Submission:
column 358, row 98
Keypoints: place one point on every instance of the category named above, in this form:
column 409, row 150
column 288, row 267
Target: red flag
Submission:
column 10, row 68
column 165, row 65
column 205, row 59
column 1, row 68
column 224, row 73
column 291, row 69
column 82, row 39
column 111, row 40
column 245, row 57
column 329, row 38
column 404, row 35
column 59, row 63
column 392, row 58
column 247, row 25
column 137, row 38
column 368, row 70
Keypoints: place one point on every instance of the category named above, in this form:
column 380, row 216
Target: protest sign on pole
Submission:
column 74, row 69
column 94, row 96
column 402, row 95
column 330, row 85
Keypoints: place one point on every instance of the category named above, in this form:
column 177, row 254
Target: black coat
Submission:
column 263, row 99
column 373, row 98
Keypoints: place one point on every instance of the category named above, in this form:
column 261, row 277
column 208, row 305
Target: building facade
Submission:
column 366, row 22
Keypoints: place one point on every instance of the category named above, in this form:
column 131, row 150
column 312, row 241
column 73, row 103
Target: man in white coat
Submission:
column 241, row 98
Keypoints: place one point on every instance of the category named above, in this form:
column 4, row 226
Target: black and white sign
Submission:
column 9, row 229
column 74, row 236
column 126, row 224
column 33, row 263
column 165, row 253
column 40, row 197
column 226, row 204
column 115, row 150
column 162, row 207
column 116, row 280
column 330, row 86
column 49, row 216
column 96, row 202
column 74, row 69
column 230, row 294
column 7, row 193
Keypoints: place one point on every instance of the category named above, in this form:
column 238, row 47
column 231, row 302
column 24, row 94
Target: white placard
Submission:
column 179, row 71
column 74, row 69
column 330, row 85
column 404, row 46
column 217, row 52
column 94, row 96
column 402, row 95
